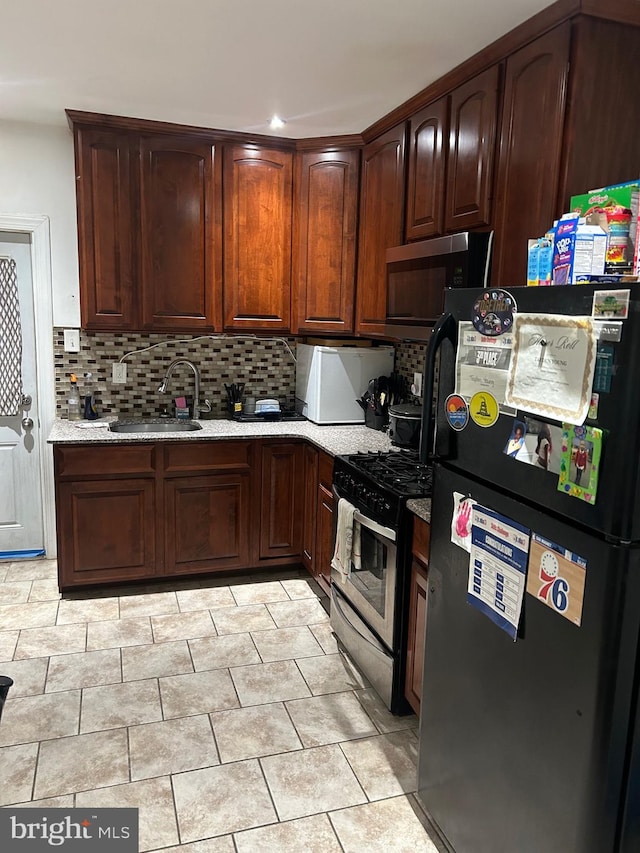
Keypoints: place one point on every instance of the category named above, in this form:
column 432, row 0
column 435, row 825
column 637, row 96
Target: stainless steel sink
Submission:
column 154, row 425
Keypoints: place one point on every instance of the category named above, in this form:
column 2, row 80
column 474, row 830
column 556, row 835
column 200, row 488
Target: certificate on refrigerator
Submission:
column 498, row 567
column 552, row 366
column 482, row 362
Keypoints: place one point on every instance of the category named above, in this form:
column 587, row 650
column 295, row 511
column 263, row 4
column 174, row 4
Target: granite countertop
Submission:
column 420, row 507
column 335, row 440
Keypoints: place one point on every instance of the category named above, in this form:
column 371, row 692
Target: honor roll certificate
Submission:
column 552, row 366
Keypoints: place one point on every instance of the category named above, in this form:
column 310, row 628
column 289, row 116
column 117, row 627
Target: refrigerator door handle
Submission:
column 446, row 329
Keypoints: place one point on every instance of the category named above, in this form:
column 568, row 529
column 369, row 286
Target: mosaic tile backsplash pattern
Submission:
column 263, row 364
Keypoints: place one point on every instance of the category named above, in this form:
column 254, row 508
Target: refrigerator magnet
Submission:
column 556, row 577
column 484, row 409
column 492, row 313
column 456, row 411
column 580, row 460
column 611, row 304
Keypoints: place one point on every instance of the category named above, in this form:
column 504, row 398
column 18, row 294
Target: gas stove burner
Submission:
column 400, row 471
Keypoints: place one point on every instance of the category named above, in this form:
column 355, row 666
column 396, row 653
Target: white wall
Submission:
column 37, row 179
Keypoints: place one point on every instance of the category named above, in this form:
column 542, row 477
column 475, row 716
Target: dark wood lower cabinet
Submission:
column 206, row 523
column 130, row 512
column 324, row 521
column 309, row 507
column 417, row 614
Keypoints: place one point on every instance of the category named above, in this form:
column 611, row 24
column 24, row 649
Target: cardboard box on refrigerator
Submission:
column 594, row 204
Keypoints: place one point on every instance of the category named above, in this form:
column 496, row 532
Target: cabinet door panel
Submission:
column 472, row 140
column 324, row 536
column 381, row 225
column 416, row 635
column 207, row 523
column 324, row 256
column 425, row 193
column 310, row 507
column 179, row 233
column 281, row 527
column 105, row 229
column 257, row 248
column 106, row 531
column 530, row 149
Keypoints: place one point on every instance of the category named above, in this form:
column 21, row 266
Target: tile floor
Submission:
column 221, row 709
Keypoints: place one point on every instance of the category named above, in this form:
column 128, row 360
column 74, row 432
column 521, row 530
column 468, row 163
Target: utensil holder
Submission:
column 5, row 684
column 374, row 420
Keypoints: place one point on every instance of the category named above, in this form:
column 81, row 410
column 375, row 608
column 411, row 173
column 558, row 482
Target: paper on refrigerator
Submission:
column 482, row 362
column 551, row 369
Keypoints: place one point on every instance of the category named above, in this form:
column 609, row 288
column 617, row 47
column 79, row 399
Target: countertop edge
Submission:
column 420, row 507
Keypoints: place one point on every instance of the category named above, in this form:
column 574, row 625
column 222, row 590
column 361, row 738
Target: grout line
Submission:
column 35, row 772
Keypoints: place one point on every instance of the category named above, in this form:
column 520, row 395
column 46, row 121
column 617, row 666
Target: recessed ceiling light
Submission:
column 277, row 123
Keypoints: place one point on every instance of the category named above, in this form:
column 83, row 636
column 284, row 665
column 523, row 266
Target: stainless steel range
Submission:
column 369, row 602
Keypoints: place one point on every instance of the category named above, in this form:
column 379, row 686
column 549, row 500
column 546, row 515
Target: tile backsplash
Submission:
column 265, row 365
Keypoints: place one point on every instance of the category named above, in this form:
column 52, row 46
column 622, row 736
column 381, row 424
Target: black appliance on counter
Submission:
column 418, row 274
column 534, row 745
column 369, row 608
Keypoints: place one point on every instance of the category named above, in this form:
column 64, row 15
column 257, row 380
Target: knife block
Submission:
column 374, row 421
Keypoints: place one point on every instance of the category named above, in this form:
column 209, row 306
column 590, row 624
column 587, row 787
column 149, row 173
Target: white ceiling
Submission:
column 328, row 67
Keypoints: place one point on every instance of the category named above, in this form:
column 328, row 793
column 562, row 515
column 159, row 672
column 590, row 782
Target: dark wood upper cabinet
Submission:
column 257, row 238
column 324, row 250
column 472, row 141
column 531, row 144
column 381, row 225
column 105, row 228
column 426, row 175
column 180, row 233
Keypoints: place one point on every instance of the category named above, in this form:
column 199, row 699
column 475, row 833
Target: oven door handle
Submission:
column 380, row 529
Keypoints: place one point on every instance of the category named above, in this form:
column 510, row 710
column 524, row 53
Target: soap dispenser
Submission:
column 73, row 401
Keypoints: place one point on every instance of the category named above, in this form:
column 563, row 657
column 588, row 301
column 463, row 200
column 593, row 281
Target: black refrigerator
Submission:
column 533, row 745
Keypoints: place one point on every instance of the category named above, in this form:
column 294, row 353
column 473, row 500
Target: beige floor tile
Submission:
column 155, row 660
column 58, row 640
column 222, row 844
column 17, row 769
column 78, row 763
column 116, row 705
column 157, row 820
column 182, row 626
column 28, row 676
column 306, row 611
column 36, row 614
column 286, row 644
column 171, row 746
column 239, row 620
column 44, row 590
column 32, row 570
column 87, row 610
column 197, row 693
column 219, row 652
column 330, row 674
column 259, row 593
column 311, row 781
column 386, row 765
column 205, row 599
column 34, row 718
column 8, row 640
column 119, row 633
column 300, row 588
column 148, row 604
column 15, row 592
column 64, row 802
column 4, row 568
column 254, row 732
column 260, row 683
column 384, row 720
column 208, row 804
column 329, row 719
column 375, row 827
column 325, row 636
column 83, row 669
column 309, row 834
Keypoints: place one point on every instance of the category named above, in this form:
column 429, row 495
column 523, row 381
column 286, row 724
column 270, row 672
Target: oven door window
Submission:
column 373, row 578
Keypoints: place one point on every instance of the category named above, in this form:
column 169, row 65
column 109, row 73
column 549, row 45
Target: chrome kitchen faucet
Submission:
column 163, row 388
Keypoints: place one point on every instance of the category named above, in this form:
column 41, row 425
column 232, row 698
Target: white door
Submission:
column 21, row 521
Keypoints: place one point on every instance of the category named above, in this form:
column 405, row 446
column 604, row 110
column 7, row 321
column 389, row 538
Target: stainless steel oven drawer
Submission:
column 372, row 658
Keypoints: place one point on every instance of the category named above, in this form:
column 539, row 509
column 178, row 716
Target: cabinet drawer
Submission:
column 207, row 456
column 421, row 538
column 75, row 462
